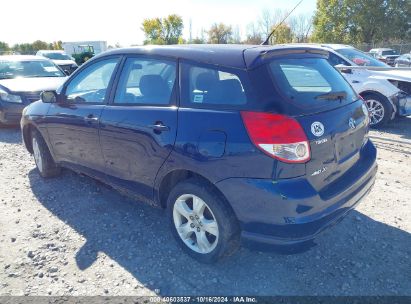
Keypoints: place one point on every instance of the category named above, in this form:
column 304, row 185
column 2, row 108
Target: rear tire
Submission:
column 42, row 157
column 201, row 222
column 379, row 108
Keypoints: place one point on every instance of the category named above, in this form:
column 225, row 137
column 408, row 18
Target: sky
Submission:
column 119, row 21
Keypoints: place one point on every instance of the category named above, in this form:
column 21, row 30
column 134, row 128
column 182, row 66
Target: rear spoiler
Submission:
column 260, row 58
column 285, row 52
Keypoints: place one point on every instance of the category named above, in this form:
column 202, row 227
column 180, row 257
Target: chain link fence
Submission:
column 401, row 48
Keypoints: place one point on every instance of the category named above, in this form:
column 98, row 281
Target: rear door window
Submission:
column 311, row 84
column 212, row 86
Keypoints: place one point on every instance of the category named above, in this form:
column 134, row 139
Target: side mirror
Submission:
column 343, row 69
column 49, row 96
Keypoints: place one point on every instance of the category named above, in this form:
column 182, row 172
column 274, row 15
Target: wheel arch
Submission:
column 372, row 92
column 172, row 178
column 26, row 134
column 27, row 131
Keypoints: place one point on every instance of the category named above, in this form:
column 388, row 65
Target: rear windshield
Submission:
column 310, row 84
column 57, row 56
column 391, row 52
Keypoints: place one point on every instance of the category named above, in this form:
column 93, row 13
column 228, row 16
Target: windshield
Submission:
column 57, row 56
column 311, row 84
column 360, row 58
column 391, row 52
column 28, row 68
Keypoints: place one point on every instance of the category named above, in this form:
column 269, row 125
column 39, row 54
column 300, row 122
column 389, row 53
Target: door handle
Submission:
column 159, row 127
column 90, row 118
column 355, row 81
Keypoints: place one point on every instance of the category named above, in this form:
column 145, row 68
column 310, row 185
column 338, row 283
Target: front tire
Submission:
column 42, row 157
column 201, row 222
column 379, row 108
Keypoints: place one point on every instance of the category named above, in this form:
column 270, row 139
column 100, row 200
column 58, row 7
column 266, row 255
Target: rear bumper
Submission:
column 291, row 211
column 10, row 113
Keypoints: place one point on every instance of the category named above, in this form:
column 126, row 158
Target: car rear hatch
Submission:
column 306, row 88
column 336, row 138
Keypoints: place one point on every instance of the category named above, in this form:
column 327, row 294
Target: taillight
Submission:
column 278, row 136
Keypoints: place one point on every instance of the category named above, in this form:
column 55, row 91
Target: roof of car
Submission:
column 21, row 57
column 231, row 55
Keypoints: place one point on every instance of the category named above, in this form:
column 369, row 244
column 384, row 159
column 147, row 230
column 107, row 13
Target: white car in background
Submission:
column 386, row 90
column 60, row 58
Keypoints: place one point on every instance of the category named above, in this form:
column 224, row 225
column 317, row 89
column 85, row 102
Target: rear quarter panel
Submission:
column 215, row 144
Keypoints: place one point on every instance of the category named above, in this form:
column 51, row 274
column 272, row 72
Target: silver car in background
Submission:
column 60, row 58
column 22, row 79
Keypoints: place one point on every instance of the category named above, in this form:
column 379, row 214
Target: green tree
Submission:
column 399, row 14
column 41, row 45
column 4, row 47
column 163, row 30
column 220, row 33
column 24, row 48
column 172, row 29
column 57, row 45
column 369, row 21
column 282, row 34
column 331, row 21
column 198, row 40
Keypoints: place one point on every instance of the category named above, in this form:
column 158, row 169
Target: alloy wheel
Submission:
column 376, row 110
column 195, row 223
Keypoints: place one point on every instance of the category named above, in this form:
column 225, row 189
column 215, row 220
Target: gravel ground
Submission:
column 74, row 236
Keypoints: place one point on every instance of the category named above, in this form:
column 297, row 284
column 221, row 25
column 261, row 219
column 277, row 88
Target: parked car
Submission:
column 403, row 61
column 60, row 58
column 22, row 79
column 386, row 92
column 265, row 144
column 385, row 55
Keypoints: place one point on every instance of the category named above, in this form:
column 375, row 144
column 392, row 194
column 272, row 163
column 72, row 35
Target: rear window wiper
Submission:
column 333, row 96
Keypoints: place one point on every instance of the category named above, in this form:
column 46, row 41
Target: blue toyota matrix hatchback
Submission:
column 265, row 144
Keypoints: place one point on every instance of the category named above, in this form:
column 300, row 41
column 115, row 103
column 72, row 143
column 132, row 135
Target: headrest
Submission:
column 205, row 81
column 153, row 85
